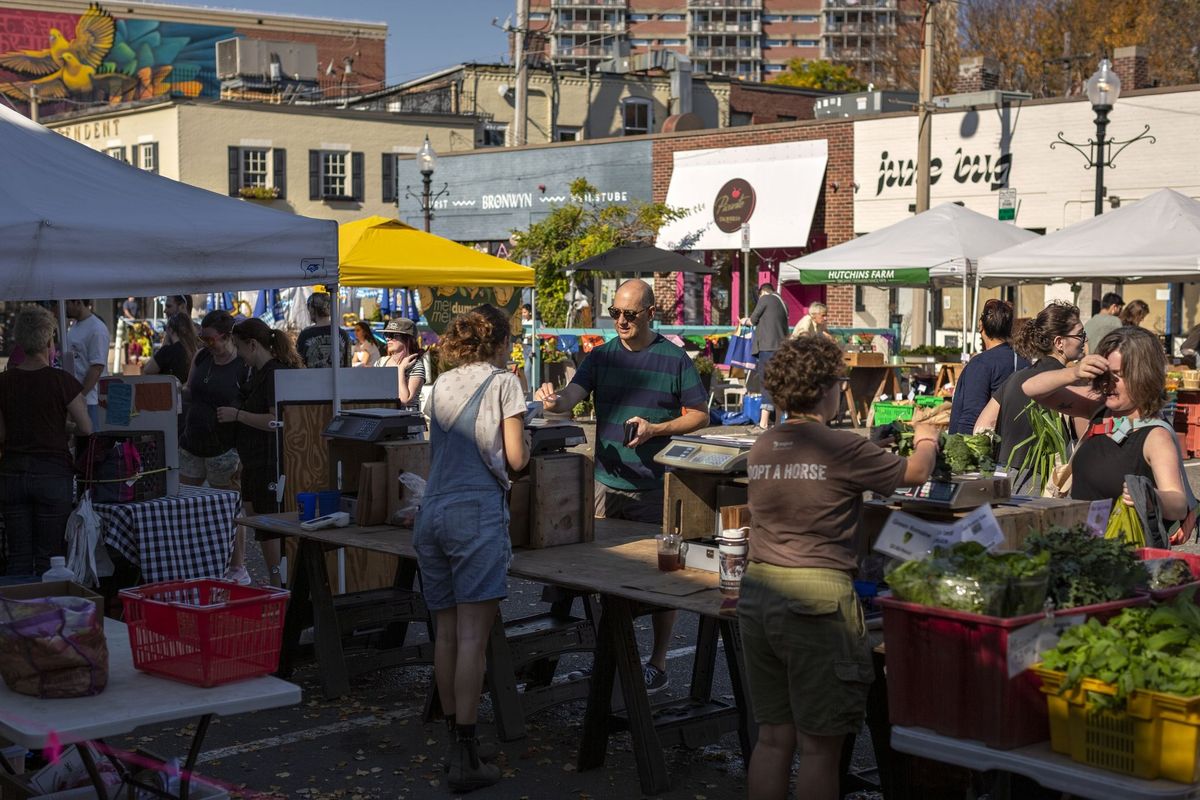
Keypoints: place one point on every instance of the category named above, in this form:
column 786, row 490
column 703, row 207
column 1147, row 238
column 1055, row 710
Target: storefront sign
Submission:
column 491, row 193
column 987, row 169
column 441, row 304
column 733, row 205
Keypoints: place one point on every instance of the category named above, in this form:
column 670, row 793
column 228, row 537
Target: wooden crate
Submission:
column 403, row 457
column 555, row 503
column 864, row 359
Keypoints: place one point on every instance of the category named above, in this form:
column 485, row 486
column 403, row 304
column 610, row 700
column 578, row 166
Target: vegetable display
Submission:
column 1087, row 569
column 966, row 577
column 1045, row 448
column 1155, row 649
column 958, row 453
column 1167, row 573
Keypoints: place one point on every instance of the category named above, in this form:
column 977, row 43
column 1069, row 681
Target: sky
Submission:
column 423, row 35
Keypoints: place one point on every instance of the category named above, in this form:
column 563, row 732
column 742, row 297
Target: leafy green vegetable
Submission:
column 1087, row 569
column 1045, row 448
column 1155, row 649
column 1168, row 572
column 966, row 577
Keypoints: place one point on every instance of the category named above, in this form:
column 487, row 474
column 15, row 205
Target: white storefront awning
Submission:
column 772, row 188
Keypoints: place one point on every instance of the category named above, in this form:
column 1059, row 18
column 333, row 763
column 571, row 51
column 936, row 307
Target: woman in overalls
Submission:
column 477, row 434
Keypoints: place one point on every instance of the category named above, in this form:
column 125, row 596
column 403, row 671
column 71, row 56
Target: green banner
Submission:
column 866, row 275
column 440, row 304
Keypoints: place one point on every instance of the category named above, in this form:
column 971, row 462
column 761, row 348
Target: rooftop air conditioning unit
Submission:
column 253, row 57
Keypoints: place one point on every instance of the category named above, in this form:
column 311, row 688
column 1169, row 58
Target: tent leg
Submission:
column 335, row 346
column 65, row 358
column 535, row 351
column 965, row 348
column 975, row 312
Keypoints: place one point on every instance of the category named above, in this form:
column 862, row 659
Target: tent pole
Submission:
column 975, row 313
column 65, row 359
column 335, row 342
column 965, row 302
column 534, row 350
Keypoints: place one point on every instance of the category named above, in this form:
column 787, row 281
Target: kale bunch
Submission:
column 1087, row 569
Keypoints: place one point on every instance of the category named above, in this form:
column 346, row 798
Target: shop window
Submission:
column 860, row 302
column 494, row 134
column 672, row 17
column 636, row 116
column 335, row 175
column 145, row 156
column 254, row 168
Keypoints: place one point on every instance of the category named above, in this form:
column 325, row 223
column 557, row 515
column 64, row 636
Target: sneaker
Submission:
column 468, row 771
column 756, row 430
column 656, row 679
column 237, row 575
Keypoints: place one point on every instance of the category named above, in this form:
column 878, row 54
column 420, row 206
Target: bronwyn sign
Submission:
column 733, row 205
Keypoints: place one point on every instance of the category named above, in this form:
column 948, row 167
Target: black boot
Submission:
column 467, row 770
column 486, row 749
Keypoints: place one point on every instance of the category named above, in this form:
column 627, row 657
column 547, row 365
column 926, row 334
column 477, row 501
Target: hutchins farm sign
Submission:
column 991, row 170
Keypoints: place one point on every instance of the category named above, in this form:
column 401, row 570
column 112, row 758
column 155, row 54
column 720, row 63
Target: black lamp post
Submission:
column 1103, row 89
column 426, row 164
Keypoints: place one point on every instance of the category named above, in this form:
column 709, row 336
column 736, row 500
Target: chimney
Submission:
column 977, row 74
column 1132, row 66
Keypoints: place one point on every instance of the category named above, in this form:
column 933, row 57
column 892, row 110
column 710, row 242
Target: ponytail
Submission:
column 1034, row 339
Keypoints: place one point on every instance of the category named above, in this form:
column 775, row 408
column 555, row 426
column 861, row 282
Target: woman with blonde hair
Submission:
column 477, row 434
column 36, row 472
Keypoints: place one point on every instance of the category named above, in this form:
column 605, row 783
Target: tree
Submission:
column 579, row 229
column 819, row 75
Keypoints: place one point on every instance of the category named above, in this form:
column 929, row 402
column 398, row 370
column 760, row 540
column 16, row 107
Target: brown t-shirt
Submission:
column 806, row 493
column 34, row 406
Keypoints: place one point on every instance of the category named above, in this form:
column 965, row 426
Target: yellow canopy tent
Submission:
column 378, row 252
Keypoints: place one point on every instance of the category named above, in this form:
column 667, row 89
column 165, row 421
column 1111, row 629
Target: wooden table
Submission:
column 865, row 385
column 947, row 374
column 623, row 570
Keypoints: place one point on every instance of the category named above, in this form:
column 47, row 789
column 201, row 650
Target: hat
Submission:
column 401, row 325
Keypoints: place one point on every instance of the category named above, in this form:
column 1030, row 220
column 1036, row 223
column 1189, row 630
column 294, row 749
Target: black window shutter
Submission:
column 314, row 174
column 279, row 171
column 235, row 176
column 389, row 177
column 356, row 176
column 153, row 156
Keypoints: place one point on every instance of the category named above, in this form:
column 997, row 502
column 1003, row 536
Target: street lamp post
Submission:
column 1103, row 89
column 426, row 164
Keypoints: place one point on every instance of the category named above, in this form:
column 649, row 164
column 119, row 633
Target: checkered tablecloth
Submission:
column 189, row 535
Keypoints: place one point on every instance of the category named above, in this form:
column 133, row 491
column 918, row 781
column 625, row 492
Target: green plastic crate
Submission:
column 929, row 401
column 890, row 412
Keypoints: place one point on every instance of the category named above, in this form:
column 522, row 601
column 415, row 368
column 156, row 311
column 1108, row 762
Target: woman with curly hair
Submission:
column 1051, row 340
column 807, row 656
column 477, row 433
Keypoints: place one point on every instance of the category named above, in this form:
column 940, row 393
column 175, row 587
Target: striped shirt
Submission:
column 655, row 383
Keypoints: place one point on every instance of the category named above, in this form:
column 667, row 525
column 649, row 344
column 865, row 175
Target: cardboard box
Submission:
column 32, row 591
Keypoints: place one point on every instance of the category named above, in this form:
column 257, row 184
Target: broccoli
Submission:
column 981, row 445
column 959, row 456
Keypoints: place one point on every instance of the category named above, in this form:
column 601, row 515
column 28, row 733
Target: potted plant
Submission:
column 705, row 369
column 259, row 193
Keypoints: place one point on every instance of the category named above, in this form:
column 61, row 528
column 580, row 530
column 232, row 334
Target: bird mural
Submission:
column 94, row 34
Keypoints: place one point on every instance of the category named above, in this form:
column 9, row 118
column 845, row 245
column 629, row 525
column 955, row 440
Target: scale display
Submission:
column 706, row 454
column 374, row 425
column 961, row 492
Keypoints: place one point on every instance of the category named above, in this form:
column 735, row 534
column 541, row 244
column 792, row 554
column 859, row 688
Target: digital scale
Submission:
column 959, row 493
column 713, row 454
column 547, row 437
column 372, row 425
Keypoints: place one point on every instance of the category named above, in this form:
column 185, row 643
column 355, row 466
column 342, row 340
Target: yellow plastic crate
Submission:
column 1157, row 736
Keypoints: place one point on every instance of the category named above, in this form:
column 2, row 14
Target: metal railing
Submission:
column 726, row 27
column 725, row 4
column 587, row 3
column 727, row 52
column 589, row 26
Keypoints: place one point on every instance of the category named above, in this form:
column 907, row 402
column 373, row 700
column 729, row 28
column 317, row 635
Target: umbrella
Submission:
column 630, row 258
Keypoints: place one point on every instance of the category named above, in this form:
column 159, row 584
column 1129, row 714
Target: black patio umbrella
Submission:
column 631, row 258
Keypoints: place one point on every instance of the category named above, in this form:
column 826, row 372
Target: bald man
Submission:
column 640, row 379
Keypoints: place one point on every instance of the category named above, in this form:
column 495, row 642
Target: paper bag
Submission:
column 372, row 493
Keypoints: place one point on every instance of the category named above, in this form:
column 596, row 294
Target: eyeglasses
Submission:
column 1081, row 336
column 630, row 316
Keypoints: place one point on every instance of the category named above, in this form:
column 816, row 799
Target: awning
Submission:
column 772, row 188
column 868, row 276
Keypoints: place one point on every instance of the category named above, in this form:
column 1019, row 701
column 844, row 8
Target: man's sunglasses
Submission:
column 630, row 316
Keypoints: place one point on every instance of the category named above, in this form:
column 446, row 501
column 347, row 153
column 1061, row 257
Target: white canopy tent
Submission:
column 937, row 248
column 78, row 223
column 1156, row 239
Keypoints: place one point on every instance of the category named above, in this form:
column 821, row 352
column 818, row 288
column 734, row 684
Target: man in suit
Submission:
column 770, row 321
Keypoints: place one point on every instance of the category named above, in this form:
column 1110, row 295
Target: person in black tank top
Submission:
column 1120, row 389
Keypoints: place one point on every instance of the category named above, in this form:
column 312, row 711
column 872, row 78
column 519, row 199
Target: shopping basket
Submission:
column 205, row 632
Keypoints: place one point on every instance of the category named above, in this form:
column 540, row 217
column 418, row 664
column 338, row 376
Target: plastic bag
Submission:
column 413, row 491
column 1166, row 573
column 53, row 647
column 87, row 556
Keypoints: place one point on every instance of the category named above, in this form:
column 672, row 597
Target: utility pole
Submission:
column 924, row 146
column 520, row 107
column 33, row 103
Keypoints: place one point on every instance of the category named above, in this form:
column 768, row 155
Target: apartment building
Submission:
column 746, row 39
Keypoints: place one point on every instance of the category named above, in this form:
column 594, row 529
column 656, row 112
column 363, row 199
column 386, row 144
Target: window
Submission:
column 807, row 43
column 335, row 175
column 777, row 42
column 494, row 134
column 775, row 17
column 116, row 152
column 639, row 17
column 672, row 42
column 737, row 118
column 636, row 117
column 859, row 301
column 672, row 17
column 538, row 16
column 805, row 18
column 640, row 42
column 254, row 168
column 774, row 68
column 566, row 134
column 145, row 156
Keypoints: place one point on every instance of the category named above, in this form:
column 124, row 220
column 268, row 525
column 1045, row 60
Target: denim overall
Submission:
column 461, row 535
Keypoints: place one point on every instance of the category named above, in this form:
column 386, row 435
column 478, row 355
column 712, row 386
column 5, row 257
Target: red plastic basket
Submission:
column 948, row 671
column 205, row 632
column 1193, row 562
